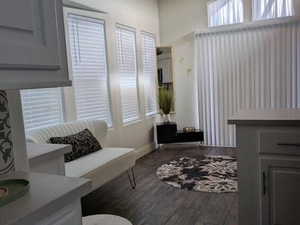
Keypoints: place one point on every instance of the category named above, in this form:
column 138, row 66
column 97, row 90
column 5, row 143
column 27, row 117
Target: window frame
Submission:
column 151, row 114
column 227, row 24
column 72, row 110
column 135, row 31
column 257, row 19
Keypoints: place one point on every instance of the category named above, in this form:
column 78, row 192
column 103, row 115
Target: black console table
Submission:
column 167, row 133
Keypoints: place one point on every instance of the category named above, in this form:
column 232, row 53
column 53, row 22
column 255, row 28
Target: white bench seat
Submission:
column 101, row 166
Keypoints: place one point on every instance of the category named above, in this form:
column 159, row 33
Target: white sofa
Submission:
column 101, row 166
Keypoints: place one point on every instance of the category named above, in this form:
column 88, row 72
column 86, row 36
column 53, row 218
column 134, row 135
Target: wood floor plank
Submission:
column 156, row 203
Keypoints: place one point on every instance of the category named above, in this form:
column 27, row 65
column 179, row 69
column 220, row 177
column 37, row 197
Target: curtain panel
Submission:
column 246, row 68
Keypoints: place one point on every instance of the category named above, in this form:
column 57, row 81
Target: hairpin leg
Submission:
column 131, row 177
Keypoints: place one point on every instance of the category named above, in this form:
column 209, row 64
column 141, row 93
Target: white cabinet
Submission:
column 32, row 44
column 268, row 167
column 68, row 215
column 280, row 191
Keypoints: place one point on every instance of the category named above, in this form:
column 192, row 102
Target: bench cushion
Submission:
column 102, row 166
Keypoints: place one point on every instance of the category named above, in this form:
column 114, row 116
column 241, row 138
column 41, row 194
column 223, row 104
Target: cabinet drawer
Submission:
column 279, row 142
column 68, row 215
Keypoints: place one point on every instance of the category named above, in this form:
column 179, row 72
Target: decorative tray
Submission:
column 11, row 190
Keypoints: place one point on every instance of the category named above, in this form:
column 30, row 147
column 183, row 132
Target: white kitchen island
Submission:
column 268, row 166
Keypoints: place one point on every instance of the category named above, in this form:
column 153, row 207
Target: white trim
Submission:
column 75, row 5
column 250, row 25
column 143, row 32
column 125, row 27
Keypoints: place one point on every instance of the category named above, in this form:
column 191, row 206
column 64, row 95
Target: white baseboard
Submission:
column 144, row 150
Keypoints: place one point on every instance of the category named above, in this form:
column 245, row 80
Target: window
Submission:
column 127, row 60
column 89, row 68
column 222, row 12
column 149, row 73
column 268, row 9
column 42, row 108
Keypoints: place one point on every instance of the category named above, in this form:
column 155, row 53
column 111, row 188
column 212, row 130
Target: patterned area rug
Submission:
column 210, row 174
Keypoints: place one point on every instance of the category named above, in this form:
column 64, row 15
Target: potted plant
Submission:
column 165, row 103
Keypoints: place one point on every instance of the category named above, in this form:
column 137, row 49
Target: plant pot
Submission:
column 166, row 118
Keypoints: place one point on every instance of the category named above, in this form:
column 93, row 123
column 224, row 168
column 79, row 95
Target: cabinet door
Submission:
column 68, row 215
column 280, row 189
column 32, row 44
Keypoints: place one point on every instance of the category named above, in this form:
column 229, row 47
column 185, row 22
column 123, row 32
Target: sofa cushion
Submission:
column 97, row 161
column 83, row 143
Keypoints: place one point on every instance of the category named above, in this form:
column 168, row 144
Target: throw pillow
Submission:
column 83, row 143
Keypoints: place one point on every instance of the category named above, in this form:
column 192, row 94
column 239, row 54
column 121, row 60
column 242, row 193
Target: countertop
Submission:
column 38, row 152
column 282, row 117
column 46, row 194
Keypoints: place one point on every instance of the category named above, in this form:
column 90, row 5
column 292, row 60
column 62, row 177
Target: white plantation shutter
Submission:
column 126, row 53
column 269, row 9
column 149, row 73
column 42, row 107
column 223, row 12
column 89, row 68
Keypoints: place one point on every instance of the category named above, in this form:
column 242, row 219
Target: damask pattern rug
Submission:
column 208, row 174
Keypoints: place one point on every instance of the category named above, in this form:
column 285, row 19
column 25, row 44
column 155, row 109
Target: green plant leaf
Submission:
column 165, row 100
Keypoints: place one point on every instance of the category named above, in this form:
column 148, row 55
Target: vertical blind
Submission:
column 89, row 68
column 268, row 9
column 149, row 73
column 251, row 68
column 127, row 61
column 42, row 107
column 222, row 12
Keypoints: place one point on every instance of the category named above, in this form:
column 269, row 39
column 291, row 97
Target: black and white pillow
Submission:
column 83, row 143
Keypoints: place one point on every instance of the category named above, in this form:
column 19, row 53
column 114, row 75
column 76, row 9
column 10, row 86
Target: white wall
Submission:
column 179, row 18
column 142, row 15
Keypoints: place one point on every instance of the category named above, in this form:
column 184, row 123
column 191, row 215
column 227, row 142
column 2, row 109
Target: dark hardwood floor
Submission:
column 156, row 203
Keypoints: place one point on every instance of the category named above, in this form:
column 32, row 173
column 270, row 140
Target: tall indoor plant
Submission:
column 165, row 103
